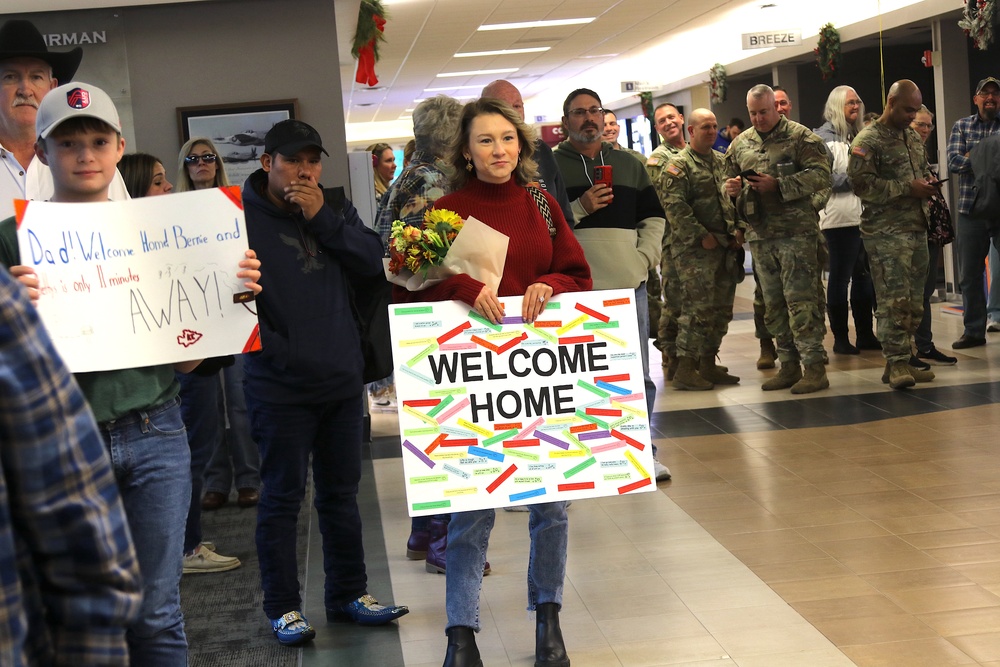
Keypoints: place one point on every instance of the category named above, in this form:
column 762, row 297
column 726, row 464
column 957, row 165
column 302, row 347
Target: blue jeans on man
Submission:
column 152, row 463
column 642, row 315
column 972, row 242
column 287, row 434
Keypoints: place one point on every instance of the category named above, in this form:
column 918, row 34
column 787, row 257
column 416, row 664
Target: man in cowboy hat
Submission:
column 28, row 70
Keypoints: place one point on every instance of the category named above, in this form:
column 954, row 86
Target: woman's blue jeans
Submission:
column 236, row 455
column 468, row 537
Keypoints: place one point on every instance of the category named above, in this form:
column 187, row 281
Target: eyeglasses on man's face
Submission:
column 207, row 158
column 580, row 113
column 922, row 125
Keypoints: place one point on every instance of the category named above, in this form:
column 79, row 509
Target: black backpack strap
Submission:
column 543, row 207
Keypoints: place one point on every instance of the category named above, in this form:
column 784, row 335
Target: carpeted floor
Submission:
column 222, row 612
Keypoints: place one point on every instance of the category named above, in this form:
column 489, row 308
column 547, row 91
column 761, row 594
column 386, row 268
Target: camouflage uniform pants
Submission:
column 759, row 329
column 654, row 299
column 788, row 272
column 899, row 269
column 707, row 290
column 666, row 330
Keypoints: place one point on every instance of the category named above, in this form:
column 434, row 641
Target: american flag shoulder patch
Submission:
column 860, row 151
column 653, row 161
column 673, row 169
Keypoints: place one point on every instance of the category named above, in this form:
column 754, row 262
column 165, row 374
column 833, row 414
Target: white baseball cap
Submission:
column 75, row 100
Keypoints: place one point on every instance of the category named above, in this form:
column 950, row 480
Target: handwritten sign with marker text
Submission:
column 141, row 282
column 492, row 415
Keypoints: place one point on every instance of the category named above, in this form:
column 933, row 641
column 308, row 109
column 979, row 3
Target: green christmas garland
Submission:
column 717, row 83
column 828, row 51
column 370, row 15
column 977, row 22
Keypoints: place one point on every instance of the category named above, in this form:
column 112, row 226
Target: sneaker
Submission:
column 993, row 327
column 660, row 472
column 204, row 561
column 920, row 365
column 292, row 629
column 938, row 357
column 366, row 611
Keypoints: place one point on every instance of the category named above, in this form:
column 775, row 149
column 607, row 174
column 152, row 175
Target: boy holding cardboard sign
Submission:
column 79, row 138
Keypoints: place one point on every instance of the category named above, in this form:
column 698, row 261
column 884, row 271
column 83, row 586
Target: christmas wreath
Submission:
column 977, row 22
column 368, row 34
column 828, row 51
column 646, row 103
column 717, row 83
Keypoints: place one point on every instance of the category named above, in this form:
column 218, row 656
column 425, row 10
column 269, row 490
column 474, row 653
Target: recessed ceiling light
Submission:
column 503, row 52
column 535, row 24
column 443, row 88
column 502, row 70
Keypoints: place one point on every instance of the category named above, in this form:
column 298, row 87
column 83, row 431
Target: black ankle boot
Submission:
column 462, row 649
column 550, row 651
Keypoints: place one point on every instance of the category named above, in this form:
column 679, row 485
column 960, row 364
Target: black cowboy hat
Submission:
column 21, row 39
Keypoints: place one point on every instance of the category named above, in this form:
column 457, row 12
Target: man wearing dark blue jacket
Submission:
column 304, row 389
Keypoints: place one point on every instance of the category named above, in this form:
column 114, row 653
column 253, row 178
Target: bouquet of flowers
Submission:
column 444, row 245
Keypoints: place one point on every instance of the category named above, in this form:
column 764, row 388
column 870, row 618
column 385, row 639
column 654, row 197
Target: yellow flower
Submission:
column 435, row 215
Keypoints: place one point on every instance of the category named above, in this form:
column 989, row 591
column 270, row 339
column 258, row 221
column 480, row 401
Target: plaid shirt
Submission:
column 69, row 578
column 415, row 191
column 966, row 133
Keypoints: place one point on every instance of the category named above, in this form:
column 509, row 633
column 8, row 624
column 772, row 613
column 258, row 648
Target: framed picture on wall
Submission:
column 236, row 130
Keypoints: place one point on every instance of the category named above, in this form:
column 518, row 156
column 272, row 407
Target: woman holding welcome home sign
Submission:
column 493, row 182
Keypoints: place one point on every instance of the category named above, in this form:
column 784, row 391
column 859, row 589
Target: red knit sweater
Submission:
column 532, row 255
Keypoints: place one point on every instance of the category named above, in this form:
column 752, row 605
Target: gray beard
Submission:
column 989, row 114
column 583, row 138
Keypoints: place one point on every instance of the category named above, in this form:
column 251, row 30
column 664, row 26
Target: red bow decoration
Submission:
column 366, row 56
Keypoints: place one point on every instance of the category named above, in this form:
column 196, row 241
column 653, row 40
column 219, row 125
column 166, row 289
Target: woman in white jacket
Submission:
column 840, row 222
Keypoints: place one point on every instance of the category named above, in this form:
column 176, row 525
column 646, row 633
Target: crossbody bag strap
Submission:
column 543, row 207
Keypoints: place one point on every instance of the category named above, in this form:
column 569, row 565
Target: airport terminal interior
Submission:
column 855, row 526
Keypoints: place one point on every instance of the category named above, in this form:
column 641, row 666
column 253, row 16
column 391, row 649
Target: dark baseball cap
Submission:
column 290, row 136
column 982, row 84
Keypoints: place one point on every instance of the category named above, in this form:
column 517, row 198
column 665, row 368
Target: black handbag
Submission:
column 370, row 301
column 940, row 230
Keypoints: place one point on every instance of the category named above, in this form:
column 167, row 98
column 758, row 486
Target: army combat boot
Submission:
column 918, row 375
column 686, row 378
column 669, row 363
column 897, row 374
column 708, row 370
column 812, row 380
column 767, row 354
column 789, row 373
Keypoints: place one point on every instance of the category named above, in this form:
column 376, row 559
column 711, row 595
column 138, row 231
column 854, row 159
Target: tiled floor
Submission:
column 857, row 526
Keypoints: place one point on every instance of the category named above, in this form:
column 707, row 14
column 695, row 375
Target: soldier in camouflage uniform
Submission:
column 791, row 164
column 889, row 172
column 702, row 239
column 669, row 124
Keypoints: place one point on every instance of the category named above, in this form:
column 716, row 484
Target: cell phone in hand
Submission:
column 748, row 173
column 602, row 174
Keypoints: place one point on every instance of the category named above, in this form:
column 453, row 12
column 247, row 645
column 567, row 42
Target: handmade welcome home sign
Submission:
column 515, row 413
column 141, row 282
